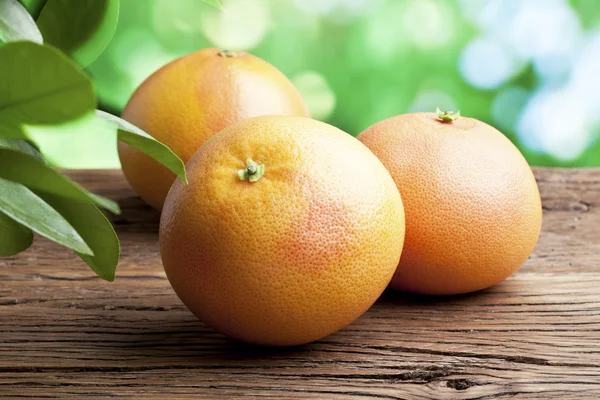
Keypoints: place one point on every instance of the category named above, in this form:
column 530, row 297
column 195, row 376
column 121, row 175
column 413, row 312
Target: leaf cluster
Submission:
column 44, row 47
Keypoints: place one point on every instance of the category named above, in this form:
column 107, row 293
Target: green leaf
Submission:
column 82, row 143
column 39, row 85
column 134, row 136
column 16, row 23
column 80, row 28
column 27, row 208
column 14, row 237
column 34, row 7
column 214, row 3
column 36, row 175
column 21, row 146
column 95, row 229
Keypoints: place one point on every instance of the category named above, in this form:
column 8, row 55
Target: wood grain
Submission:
column 66, row 334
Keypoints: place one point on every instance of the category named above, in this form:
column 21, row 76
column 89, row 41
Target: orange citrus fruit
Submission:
column 192, row 98
column 473, row 210
column 288, row 230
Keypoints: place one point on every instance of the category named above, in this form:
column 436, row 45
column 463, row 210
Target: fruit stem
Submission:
column 447, row 116
column 227, row 53
column 252, row 172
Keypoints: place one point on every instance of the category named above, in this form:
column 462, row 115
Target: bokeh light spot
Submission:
column 554, row 123
column 318, row 95
column 319, row 7
column 145, row 60
column 183, row 18
column 136, row 58
column 385, row 37
column 338, row 10
column 487, row 64
column 428, row 23
column 242, row 27
column 492, row 17
column 544, row 28
column 585, row 81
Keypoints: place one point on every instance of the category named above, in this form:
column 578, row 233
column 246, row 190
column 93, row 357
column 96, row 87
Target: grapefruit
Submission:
column 473, row 210
column 193, row 97
column 288, row 230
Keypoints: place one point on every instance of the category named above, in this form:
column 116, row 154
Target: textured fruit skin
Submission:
column 296, row 255
column 473, row 210
column 192, row 98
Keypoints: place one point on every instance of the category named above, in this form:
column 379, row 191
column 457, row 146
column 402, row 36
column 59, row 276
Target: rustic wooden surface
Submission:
column 66, row 334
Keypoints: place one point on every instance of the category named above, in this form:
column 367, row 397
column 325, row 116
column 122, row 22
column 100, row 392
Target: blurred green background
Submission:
column 529, row 67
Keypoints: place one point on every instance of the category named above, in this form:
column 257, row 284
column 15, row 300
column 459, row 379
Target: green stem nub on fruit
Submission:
column 447, row 116
column 252, row 172
column 227, row 53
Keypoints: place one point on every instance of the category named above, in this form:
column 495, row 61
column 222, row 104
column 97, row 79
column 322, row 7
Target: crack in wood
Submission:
column 579, row 206
column 461, row 384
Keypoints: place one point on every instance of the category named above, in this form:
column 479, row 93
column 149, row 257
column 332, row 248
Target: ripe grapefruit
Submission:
column 473, row 210
column 193, row 97
column 288, row 230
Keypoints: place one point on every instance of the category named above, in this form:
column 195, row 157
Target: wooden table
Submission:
column 64, row 333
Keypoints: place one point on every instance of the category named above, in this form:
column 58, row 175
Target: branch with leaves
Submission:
column 44, row 46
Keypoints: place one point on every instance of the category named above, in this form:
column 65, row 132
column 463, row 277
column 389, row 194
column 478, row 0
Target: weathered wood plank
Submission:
column 66, row 334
